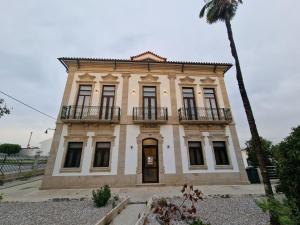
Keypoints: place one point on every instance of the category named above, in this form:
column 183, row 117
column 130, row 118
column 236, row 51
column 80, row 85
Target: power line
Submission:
column 28, row 105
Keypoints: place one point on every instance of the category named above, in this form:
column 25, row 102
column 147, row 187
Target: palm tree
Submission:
column 224, row 11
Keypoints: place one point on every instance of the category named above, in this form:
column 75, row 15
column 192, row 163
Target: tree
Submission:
column 267, row 149
column 224, row 11
column 287, row 160
column 10, row 148
column 3, row 108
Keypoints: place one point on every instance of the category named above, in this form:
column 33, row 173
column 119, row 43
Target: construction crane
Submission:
column 28, row 145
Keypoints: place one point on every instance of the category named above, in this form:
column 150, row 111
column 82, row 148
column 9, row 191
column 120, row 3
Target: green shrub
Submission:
column 101, row 196
column 27, row 175
column 116, row 199
column 1, row 197
column 10, row 148
column 281, row 209
column 287, row 161
column 199, row 222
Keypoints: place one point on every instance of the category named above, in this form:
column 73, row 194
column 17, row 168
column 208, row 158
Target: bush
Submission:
column 1, row 197
column 287, row 160
column 281, row 209
column 101, row 196
column 27, row 175
column 266, row 147
column 168, row 212
column 116, row 199
column 10, row 148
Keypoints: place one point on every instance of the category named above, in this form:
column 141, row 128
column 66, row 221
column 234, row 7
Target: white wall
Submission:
column 165, row 98
column 208, row 154
column 60, row 151
column 168, row 153
column 133, row 98
column 96, row 95
column 198, row 92
column 131, row 153
column 87, row 155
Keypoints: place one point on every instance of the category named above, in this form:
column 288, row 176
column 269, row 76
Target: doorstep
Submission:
column 150, row 185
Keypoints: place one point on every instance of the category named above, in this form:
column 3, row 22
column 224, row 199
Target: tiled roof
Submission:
column 63, row 60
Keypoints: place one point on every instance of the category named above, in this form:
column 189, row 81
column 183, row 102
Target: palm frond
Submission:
column 219, row 10
column 206, row 6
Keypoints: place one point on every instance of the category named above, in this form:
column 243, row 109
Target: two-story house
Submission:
column 144, row 120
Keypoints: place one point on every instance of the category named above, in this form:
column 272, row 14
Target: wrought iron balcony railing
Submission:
column 150, row 114
column 205, row 114
column 91, row 113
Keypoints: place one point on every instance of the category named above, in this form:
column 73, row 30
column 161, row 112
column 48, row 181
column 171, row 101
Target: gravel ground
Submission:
column 51, row 212
column 224, row 211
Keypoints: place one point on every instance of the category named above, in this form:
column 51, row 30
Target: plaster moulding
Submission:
column 86, row 78
column 208, row 81
column 110, row 78
column 187, row 80
column 149, row 78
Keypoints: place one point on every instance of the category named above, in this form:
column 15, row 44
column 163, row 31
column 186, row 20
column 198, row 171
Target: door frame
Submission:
column 109, row 109
column 188, row 111
column 149, row 108
column 157, row 159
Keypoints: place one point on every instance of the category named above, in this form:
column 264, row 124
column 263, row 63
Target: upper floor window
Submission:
column 84, row 95
column 83, row 101
column 189, row 105
column 220, row 151
column 102, row 154
column 210, row 103
column 195, row 152
column 149, row 102
column 73, row 155
column 107, row 101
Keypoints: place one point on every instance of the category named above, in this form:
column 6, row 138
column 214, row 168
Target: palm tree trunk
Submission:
column 261, row 158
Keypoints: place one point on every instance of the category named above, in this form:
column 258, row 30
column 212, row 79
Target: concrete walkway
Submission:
column 129, row 215
column 27, row 191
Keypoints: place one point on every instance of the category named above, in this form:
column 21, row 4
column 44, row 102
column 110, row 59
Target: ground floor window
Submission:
column 195, row 152
column 73, row 155
column 220, row 151
column 102, row 154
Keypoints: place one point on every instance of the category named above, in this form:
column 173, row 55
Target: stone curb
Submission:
column 113, row 213
column 141, row 220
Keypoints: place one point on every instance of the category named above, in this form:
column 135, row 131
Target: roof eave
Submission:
column 63, row 59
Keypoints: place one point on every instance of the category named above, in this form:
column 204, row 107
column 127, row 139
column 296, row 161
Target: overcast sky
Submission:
column 34, row 33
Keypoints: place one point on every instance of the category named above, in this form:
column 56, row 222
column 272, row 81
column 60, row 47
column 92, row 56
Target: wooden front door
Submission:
column 150, row 161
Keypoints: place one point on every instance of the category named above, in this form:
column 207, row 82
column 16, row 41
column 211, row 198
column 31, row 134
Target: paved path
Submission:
column 27, row 191
column 129, row 215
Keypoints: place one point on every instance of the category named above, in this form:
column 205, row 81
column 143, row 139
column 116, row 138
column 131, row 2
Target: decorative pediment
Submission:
column 149, row 78
column 86, row 77
column 207, row 80
column 187, row 80
column 110, row 78
column 148, row 56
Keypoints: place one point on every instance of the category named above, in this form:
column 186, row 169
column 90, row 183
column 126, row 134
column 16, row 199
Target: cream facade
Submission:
column 144, row 121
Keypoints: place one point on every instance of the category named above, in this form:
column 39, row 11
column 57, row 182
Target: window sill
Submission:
column 100, row 169
column 219, row 167
column 72, row 170
column 198, row 167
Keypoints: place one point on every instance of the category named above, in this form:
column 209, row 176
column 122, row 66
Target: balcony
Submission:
column 205, row 115
column 150, row 115
column 93, row 114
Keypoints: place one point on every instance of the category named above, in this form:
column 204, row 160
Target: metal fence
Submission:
column 11, row 164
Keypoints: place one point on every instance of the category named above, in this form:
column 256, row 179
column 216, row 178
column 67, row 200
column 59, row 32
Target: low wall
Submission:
column 16, row 176
column 63, row 182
